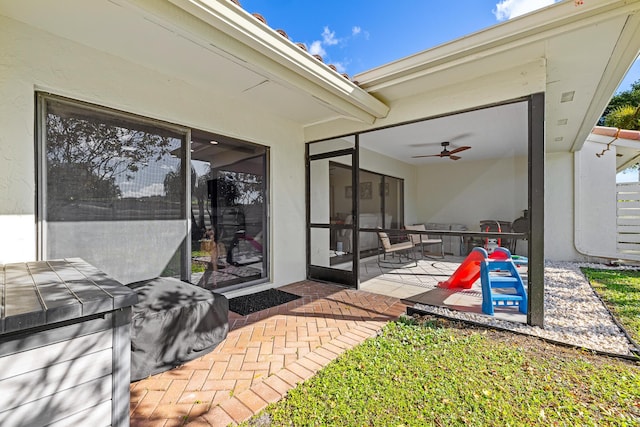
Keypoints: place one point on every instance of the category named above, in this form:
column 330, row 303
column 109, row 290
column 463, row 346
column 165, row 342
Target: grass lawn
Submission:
column 620, row 290
column 434, row 372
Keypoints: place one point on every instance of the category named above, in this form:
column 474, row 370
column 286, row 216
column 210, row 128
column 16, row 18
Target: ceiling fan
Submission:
column 445, row 152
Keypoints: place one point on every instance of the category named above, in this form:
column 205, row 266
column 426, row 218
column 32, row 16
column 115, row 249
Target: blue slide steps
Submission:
column 501, row 274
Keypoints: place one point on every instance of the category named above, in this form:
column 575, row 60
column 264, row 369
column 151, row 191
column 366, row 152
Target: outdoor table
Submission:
column 64, row 345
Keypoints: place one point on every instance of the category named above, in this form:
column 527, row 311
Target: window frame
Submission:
column 42, row 99
column 40, row 132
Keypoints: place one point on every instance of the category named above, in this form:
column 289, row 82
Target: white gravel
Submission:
column 573, row 312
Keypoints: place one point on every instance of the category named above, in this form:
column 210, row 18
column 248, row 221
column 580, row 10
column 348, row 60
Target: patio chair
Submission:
column 386, row 247
column 423, row 239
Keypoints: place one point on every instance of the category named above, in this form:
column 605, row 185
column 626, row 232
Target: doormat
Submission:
column 248, row 304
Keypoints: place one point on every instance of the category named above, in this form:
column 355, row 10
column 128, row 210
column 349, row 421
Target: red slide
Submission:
column 469, row 270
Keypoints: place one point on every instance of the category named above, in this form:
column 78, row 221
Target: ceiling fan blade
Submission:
column 425, row 144
column 455, row 157
column 429, row 155
column 460, row 136
column 459, row 149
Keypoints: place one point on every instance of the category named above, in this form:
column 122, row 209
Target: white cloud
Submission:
column 329, row 37
column 340, row 67
column 507, row 9
column 317, row 49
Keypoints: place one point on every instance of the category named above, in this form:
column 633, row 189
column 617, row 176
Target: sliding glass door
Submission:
column 228, row 211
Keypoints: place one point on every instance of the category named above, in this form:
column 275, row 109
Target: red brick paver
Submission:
column 265, row 355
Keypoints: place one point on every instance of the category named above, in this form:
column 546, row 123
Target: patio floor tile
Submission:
column 252, row 400
column 265, row 355
column 236, row 409
column 266, row 393
column 216, row 417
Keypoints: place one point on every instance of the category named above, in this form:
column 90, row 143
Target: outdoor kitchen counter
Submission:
column 64, row 344
column 45, row 292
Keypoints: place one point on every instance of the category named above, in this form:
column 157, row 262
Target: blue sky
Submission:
column 358, row 35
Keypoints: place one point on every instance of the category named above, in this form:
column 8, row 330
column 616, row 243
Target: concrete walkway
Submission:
column 265, row 354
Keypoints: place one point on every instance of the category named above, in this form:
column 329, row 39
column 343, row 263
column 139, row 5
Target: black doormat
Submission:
column 248, row 304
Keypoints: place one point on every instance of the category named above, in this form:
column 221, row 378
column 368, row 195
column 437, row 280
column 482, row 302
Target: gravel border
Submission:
column 574, row 313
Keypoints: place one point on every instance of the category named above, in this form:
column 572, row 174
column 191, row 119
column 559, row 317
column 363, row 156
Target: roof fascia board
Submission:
column 553, row 20
column 446, row 100
column 312, row 75
column 626, row 51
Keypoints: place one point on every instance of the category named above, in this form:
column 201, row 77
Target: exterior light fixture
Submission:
column 567, row 96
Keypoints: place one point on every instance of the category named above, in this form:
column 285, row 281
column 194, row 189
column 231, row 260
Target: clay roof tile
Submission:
column 260, row 18
column 300, row 45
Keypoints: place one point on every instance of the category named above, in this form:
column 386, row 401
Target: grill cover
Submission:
column 172, row 323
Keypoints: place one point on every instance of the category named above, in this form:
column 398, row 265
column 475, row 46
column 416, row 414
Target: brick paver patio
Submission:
column 265, row 354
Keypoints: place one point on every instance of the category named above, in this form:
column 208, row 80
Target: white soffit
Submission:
column 624, row 144
column 187, row 40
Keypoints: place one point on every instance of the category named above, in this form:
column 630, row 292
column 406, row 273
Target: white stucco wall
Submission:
column 32, row 60
column 468, row 192
column 595, row 200
column 559, row 208
column 579, row 225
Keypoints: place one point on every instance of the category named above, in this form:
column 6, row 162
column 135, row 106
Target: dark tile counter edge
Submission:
column 116, row 296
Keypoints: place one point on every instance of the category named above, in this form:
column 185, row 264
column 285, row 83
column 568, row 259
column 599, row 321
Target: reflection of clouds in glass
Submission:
column 156, row 189
column 201, row 168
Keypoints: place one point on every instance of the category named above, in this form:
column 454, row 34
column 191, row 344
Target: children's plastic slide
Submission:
column 469, row 270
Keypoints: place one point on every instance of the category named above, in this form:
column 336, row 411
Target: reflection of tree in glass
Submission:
column 85, row 157
column 241, row 188
column 200, row 190
column 227, row 189
column 173, row 184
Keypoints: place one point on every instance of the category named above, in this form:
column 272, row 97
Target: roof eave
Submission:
column 611, row 79
column 557, row 18
column 313, row 76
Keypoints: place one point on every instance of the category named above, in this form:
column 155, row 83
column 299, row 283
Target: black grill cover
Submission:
column 172, row 323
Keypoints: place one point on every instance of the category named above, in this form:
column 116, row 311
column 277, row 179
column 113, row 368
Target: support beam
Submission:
column 535, row 315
